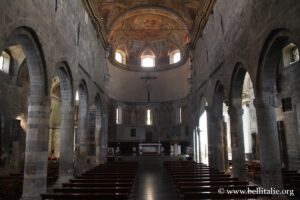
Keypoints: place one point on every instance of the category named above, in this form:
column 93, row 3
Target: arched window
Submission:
column 4, row 62
column 118, row 115
column 120, row 57
column 77, row 96
column 290, row 54
column 148, row 59
column 148, row 117
column 175, row 56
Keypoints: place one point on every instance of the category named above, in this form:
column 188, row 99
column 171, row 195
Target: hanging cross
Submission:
column 148, row 79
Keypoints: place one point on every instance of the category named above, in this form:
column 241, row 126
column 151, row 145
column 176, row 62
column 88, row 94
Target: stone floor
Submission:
column 152, row 180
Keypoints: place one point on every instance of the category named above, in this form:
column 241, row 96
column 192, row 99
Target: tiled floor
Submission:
column 152, row 180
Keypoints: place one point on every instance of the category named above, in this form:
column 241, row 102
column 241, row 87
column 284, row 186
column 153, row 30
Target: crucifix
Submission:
column 148, row 79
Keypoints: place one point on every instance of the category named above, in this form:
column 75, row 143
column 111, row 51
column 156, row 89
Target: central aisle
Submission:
column 152, row 180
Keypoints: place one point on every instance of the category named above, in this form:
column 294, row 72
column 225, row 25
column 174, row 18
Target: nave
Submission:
column 84, row 82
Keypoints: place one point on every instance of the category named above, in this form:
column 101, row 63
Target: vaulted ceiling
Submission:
column 162, row 26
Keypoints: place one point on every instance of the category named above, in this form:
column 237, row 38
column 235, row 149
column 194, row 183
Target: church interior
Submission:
column 149, row 99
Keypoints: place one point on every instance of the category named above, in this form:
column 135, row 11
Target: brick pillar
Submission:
column 268, row 142
column 36, row 152
column 237, row 141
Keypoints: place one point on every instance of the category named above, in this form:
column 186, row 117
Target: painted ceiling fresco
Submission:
column 132, row 26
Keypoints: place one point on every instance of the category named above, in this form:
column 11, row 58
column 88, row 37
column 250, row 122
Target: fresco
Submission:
column 132, row 26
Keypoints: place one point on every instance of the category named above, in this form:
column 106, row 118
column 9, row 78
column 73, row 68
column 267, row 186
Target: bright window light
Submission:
column 180, row 116
column 148, row 117
column 118, row 116
column 4, row 62
column 118, row 57
column 1, row 63
column 148, row 62
column 77, row 96
column 176, row 57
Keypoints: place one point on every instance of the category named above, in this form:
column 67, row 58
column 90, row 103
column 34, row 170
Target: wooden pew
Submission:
column 108, row 181
column 202, row 182
column 86, row 196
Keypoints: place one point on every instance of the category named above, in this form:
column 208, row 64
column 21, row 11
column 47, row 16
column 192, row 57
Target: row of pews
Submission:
column 11, row 186
column 110, row 181
column 198, row 181
column 291, row 178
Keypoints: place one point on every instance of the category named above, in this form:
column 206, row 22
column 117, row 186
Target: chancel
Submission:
column 149, row 99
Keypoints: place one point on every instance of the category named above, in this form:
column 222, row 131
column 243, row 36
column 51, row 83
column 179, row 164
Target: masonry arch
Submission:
column 81, row 134
column 63, row 78
column 219, row 137
column 243, row 122
column 35, row 169
column 271, row 97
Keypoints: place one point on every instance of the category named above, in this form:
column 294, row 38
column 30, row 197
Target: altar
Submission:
column 149, row 148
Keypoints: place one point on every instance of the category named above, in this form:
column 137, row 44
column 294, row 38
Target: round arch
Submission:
column 270, row 65
column 67, row 123
column 82, row 161
column 36, row 151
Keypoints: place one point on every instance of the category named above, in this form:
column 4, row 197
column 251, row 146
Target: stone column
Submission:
column 268, row 142
column 219, row 143
column 198, row 144
column 98, row 138
column 66, row 142
column 36, row 152
column 104, row 127
column 237, row 141
column 210, row 137
column 195, row 144
column 82, row 152
column 92, row 137
column 215, row 140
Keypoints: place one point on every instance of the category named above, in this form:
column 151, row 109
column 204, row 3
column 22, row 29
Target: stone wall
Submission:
column 65, row 32
column 165, row 121
column 236, row 34
column 65, row 37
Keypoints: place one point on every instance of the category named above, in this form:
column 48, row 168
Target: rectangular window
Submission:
column 1, row 63
column 180, row 115
column 148, row 117
column 118, row 116
column 4, row 62
column 290, row 54
column 295, row 55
